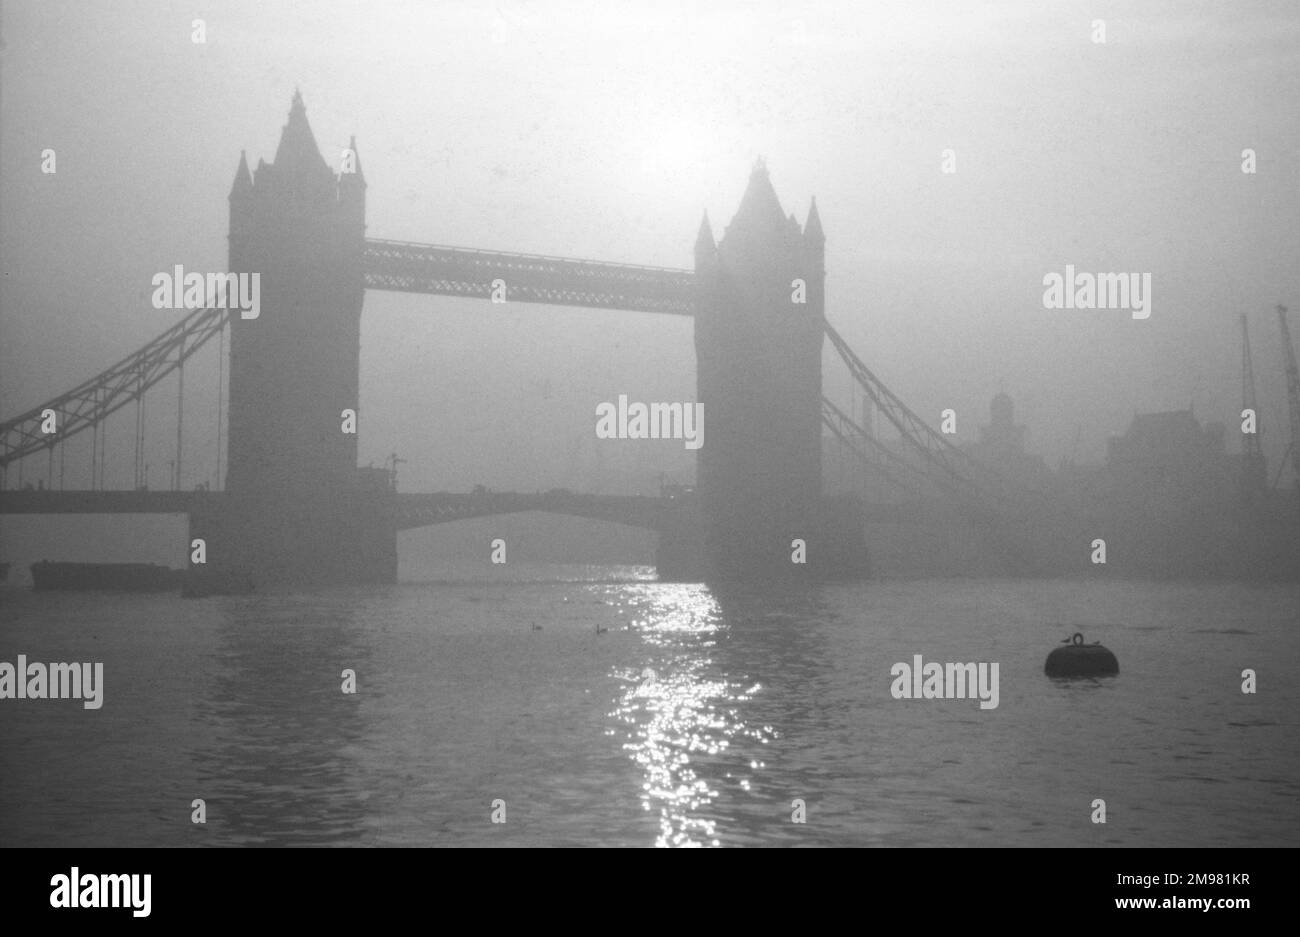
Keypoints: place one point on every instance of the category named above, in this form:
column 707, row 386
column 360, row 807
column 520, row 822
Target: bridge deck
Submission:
column 105, row 502
column 422, row 510
column 411, row 510
column 529, row 278
column 416, row 510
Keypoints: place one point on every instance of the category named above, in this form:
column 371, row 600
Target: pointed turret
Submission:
column 814, row 241
column 352, row 184
column 243, row 178
column 241, row 199
column 298, row 152
column 759, row 209
column 705, row 247
column 812, row 229
column 355, row 175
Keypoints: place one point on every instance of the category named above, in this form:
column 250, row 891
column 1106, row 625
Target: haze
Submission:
column 604, row 131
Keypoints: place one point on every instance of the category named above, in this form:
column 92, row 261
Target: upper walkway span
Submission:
column 407, row 267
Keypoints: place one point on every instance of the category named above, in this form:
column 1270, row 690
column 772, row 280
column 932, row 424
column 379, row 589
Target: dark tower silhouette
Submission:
column 758, row 345
column 296, row 367
column 298, row 509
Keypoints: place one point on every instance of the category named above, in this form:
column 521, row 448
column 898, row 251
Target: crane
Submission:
column 1292, row 395
column 1254, row 476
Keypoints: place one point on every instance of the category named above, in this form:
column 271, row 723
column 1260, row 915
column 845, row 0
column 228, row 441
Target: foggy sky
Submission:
column 604, row 131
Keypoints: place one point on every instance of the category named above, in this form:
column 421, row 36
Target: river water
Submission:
column 698, row 718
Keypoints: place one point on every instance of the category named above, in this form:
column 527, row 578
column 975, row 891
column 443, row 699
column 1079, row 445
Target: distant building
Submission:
column 1167, row 502
column 1001, row 447
column 1168, row 459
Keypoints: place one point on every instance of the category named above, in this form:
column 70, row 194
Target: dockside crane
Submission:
column 1254, row 477
column 1292, row 398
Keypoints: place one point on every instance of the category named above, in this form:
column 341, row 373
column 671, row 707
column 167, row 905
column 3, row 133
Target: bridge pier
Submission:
column 679, row 554
column 251, row 544
column 829, row 544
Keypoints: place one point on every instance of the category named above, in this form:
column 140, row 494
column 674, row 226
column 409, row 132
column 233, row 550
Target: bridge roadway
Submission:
column 412, row 510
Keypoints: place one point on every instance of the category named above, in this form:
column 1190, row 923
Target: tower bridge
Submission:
column 296, row 508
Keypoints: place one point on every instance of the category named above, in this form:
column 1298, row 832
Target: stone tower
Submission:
column 298, row 511
column 759, row 367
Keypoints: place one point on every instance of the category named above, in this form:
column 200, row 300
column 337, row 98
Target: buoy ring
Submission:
column 1077, row 640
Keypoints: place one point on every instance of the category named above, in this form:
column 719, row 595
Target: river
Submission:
column 699, row 717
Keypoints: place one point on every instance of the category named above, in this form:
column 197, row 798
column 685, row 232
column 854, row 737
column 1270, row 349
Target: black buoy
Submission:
column 1077, row 659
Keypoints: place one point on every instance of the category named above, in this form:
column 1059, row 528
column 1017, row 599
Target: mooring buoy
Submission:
column 1077, row 659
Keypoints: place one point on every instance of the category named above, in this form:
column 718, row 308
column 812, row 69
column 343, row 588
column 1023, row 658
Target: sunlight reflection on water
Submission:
column 683, row 709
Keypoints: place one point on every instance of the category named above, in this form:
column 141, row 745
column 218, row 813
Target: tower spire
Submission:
column 759, row 209
column 243, row 179
column 704, row 240
column 355, row 177
column 352, row 145
column 812, row 229
column 298, row 151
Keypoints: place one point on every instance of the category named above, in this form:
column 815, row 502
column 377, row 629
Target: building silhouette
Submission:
column 1001, row 447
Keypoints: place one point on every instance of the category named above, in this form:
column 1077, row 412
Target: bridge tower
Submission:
column 758, row 346
column 298, row 509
